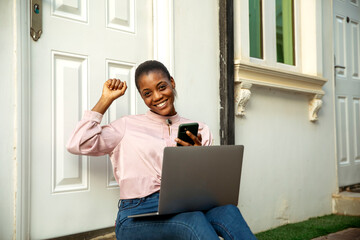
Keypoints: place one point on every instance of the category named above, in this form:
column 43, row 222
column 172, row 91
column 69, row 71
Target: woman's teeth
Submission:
column 161, row 104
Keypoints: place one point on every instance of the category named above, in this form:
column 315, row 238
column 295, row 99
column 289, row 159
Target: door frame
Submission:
column 226, row 81
column 22, row 202
column 333, row 77
column 163, row 50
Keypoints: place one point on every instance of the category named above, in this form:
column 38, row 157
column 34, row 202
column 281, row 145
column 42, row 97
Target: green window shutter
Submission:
column 285, row 32
column 255, row 29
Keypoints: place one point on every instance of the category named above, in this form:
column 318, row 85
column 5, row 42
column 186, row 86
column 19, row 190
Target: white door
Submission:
column 347, row 88
column 83, row 44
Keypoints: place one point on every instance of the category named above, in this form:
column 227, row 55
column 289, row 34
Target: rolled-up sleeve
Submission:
column 89, row 138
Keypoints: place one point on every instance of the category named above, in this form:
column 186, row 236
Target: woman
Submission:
column 135, row 145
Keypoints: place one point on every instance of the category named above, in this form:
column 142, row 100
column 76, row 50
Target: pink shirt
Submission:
column 135, row 145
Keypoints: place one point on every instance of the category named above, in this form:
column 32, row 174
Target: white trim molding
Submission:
column 248, row 74
column 23, row 198
column 163, row 35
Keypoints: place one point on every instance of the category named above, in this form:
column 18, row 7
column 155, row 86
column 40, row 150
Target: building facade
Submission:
column 290, row 108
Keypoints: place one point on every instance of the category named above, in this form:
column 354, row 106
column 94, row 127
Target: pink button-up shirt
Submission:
column 135, row 144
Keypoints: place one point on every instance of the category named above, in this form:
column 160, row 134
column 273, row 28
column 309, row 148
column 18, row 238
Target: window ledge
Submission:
column 248, row 74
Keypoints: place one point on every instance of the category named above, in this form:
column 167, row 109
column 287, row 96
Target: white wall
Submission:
column 196, row 37
column 289, row 167
column 6, row 121
column 289, row 170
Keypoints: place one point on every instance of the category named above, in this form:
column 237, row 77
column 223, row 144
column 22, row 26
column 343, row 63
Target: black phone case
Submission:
column 192, row 127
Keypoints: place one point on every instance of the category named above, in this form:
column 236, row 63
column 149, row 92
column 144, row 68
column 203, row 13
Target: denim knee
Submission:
column 228, row 221
column 226, row 210
column 188, row 225
column 191, row 218
column 197, row 224
column 229, row 208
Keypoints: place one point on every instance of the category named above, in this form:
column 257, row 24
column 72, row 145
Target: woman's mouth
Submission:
column 161, row 105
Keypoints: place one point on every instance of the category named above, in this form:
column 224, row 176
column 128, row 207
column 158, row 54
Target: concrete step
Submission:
column 347, row 203
column 348, row 234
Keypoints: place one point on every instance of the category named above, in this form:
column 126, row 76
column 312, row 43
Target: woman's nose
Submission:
column 157, row 95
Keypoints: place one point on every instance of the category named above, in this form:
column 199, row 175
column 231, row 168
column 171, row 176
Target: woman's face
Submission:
column 157, row 91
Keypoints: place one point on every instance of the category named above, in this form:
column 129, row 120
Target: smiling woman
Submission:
column 157, row 88
column 135, row 145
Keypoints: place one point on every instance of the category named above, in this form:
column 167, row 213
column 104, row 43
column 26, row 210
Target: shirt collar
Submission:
column 162, row 119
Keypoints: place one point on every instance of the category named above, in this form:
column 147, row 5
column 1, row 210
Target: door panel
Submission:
column 69, row 172
column 354, row 25
column 347, row 89
column 340, row 44
column 342, row 121
column 83, row 44
column 356, row 109
column 126, row 72
column 121, row 15
column 73, row 9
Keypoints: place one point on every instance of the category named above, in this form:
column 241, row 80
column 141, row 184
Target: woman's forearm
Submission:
column 102, row 105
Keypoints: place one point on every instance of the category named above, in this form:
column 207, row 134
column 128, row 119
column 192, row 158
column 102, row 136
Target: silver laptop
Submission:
column 198, row 178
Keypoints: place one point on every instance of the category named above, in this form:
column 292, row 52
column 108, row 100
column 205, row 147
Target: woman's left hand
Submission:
column 197, row 140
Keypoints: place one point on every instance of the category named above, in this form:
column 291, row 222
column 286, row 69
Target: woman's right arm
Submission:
column 89, row 138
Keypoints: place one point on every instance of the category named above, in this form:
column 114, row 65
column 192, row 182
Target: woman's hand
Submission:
column 197, row 140
column 112, row 89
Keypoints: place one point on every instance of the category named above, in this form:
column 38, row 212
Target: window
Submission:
column 271, row 49
column 255, row 24
column 283, row 28
column 284, row 32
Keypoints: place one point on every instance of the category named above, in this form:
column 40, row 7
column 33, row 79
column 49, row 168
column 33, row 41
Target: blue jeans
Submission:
column 225, row 221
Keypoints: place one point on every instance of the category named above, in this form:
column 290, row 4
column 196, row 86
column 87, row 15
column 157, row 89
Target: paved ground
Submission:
column 347, row 234
column 110, row 236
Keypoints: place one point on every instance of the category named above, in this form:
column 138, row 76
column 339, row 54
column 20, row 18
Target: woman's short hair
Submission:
column 150, row 66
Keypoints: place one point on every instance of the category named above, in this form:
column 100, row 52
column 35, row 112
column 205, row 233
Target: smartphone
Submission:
column 192, row 127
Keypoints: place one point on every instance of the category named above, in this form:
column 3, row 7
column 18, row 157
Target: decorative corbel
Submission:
column 314, row 107
column 242, row 96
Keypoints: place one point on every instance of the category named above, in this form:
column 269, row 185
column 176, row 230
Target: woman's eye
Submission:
column 162, row 87
column 146, row 94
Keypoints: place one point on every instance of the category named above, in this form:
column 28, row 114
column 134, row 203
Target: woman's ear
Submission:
column 172, row 81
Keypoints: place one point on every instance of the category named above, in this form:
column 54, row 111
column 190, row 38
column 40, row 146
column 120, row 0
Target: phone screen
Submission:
column 192, row 127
